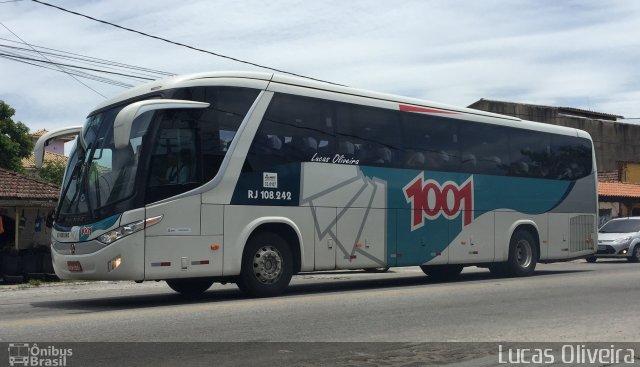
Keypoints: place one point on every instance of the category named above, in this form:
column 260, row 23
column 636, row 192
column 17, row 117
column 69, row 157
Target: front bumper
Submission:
column 96, row 264
column 613, row 250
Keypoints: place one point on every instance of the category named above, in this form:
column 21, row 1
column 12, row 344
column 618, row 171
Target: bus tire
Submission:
column 591, row 259
column 190, row 287
column 523, row 254
column 442, row 272
column 267, row 265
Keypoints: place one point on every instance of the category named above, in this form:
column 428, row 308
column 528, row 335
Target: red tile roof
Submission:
column 30, row 161
column 14, row 185
column 618, row 189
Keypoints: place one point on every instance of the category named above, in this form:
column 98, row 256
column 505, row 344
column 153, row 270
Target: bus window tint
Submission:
column 571, row 157
column 530, row 153
column 294, row 129
column 373, row 134
column 430, row 143
column 483, row 149
column 218, row 124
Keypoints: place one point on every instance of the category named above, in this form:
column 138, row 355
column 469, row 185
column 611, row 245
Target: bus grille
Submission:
column 581, row 228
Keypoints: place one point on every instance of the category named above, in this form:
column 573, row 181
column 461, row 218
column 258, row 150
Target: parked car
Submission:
column 619, row 238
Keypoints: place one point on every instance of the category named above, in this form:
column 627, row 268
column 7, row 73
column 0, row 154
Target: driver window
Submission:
column 173, row 158
column 173, row 165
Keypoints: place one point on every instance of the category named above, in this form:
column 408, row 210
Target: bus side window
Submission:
column 530, row 153
column 430, row 142
column 571, row 157
column 373, row 132
column 294, row 129
column 484, row 149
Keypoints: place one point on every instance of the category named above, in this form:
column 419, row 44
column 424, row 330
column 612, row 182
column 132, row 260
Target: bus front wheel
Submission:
column 267, row 265
column 523, row 254
column 190, row 287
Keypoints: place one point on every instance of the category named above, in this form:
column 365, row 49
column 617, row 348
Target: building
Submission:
column 24, row 237
column 617, row 148
column 24, row 205
column 54, row 152
column 55, row 146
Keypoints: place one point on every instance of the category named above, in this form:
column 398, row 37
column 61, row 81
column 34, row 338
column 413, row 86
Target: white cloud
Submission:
column 579, row 52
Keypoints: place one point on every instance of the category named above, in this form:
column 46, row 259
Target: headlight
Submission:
column 624, row 240
column 123, row 231
column 120, row 232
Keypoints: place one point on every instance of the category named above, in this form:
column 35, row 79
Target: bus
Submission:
column 251, row 178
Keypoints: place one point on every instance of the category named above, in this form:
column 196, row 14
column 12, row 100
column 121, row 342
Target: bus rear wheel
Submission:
column 523, row 255
column 190, row 287
column 442, row 272
column 267, row 265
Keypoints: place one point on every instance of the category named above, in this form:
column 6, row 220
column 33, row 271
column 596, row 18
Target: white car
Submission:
column 619, row 238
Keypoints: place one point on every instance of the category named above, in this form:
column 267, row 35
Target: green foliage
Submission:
column 15, row 142
column 52, row 171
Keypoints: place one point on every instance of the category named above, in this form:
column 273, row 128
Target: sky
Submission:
column 583, row 54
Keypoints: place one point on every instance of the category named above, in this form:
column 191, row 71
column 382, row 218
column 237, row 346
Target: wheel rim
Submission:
column 637, row 252
column 267, row 265
column 524, row 254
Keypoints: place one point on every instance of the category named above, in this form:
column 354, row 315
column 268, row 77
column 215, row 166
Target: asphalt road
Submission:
column 563, row 302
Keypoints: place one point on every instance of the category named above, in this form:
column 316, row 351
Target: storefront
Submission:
column 618, row 199
column 24, row 236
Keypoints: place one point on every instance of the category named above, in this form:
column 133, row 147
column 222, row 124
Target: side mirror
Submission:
column 42, row 142
column 124, row 119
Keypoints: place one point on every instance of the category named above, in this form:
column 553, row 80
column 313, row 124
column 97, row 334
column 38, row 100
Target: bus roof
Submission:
column 177, row 81
column 262, row 77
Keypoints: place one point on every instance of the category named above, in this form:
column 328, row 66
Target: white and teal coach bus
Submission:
column 253, row 177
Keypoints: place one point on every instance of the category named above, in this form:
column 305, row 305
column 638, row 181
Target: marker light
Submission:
column 114, row 263
column 123, row 231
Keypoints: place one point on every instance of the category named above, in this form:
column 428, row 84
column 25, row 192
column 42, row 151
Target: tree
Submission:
column 52, row 171
column 15, row 141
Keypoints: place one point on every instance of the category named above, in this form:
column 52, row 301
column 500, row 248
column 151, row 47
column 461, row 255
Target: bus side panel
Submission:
column 326, row 240
column 175, row 247
column 475, row 244
column 559, row 236
column 361, row 222
column 362, row 230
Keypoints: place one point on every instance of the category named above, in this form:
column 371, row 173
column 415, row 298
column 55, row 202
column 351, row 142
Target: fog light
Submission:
column 114, row 263
column 624, row 252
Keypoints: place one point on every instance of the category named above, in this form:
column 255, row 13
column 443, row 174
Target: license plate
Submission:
column 74, row 266
column 601, row 247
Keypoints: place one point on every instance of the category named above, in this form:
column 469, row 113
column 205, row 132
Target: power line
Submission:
column 77, row 67
column 180, row 44
column 84, row 57
column 76, row 79
column 79, row 74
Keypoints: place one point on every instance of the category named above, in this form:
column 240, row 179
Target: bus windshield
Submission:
column 98, row 175
column 182, row 150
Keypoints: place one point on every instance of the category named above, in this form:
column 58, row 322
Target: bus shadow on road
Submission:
column 299, row 287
